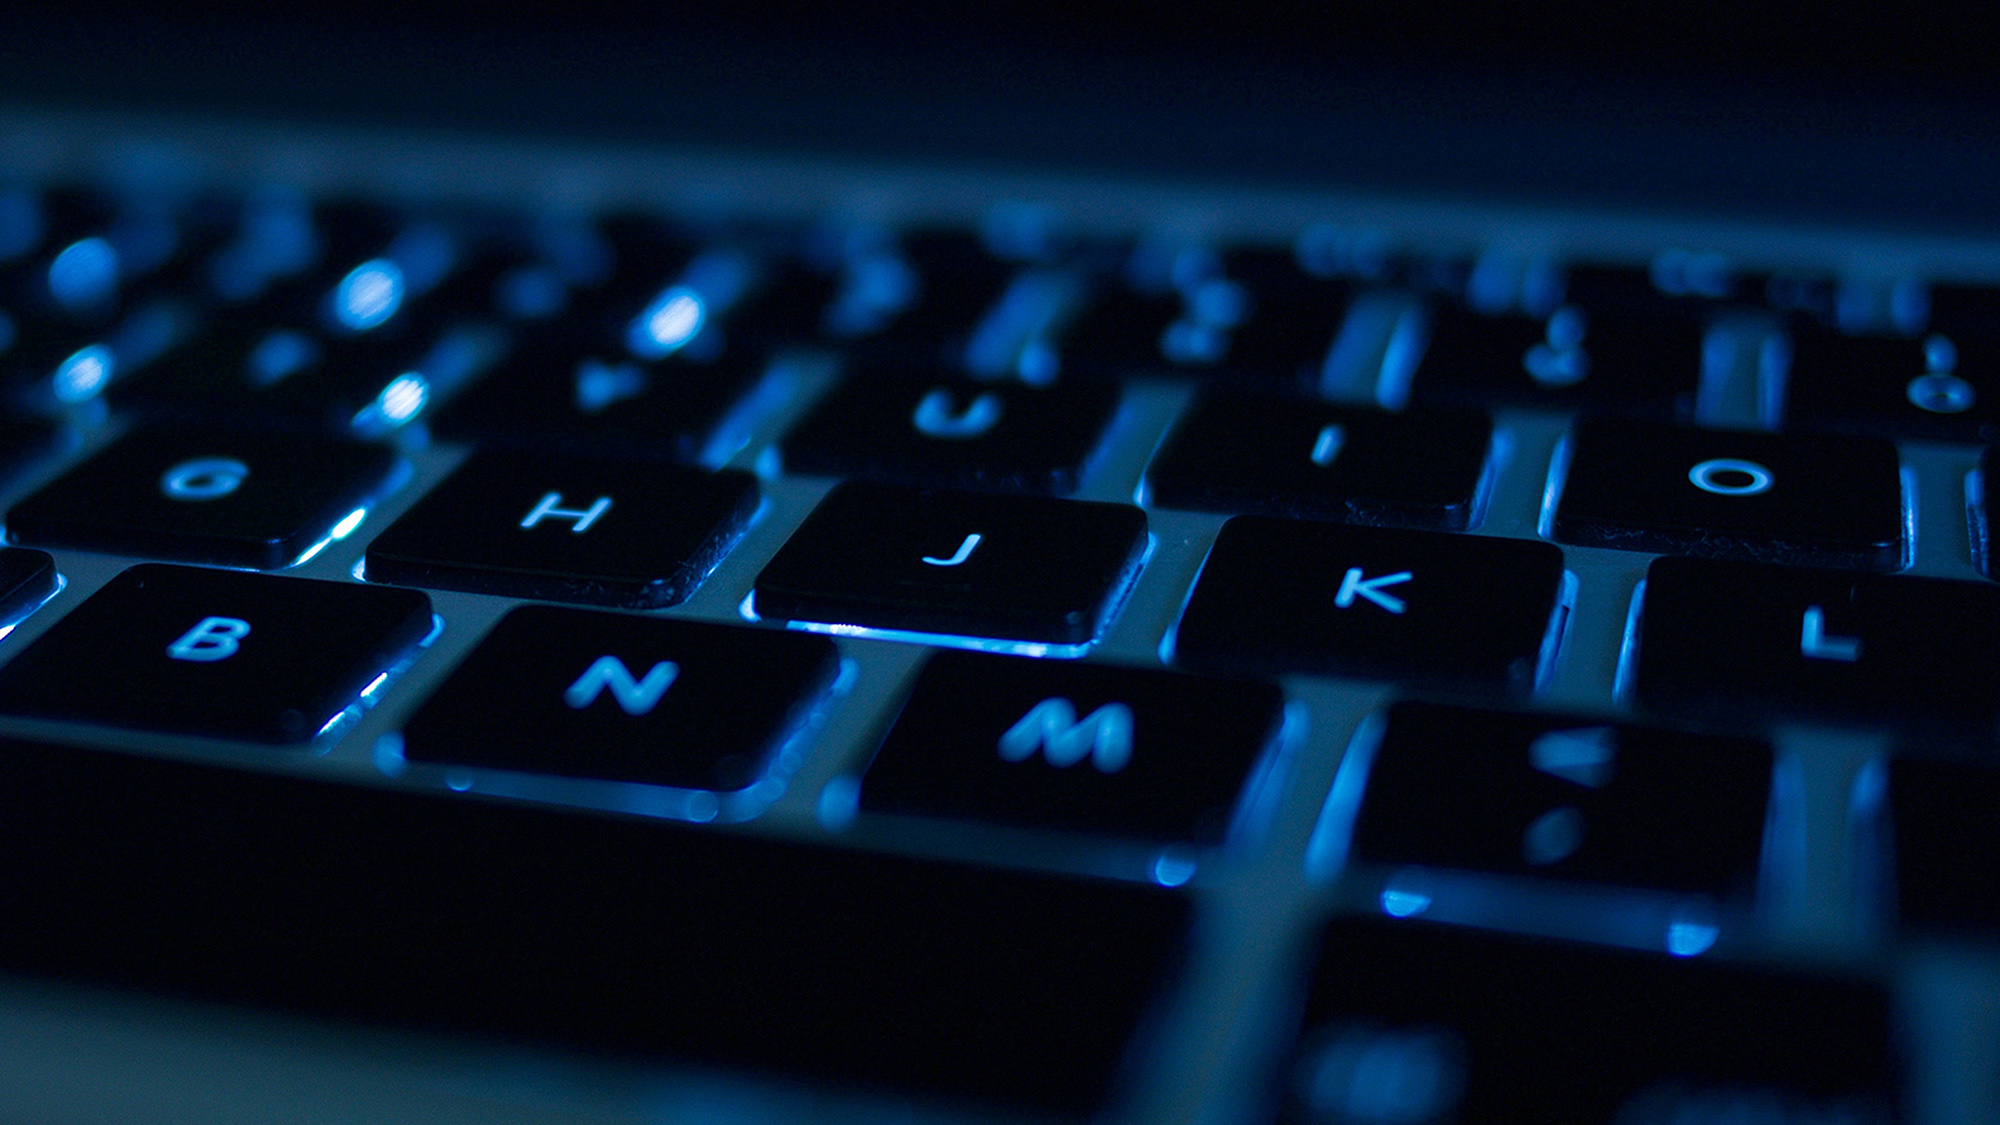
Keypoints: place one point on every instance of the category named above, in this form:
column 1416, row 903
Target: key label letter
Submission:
column 1051, row 726
column 1727, row 476
column 935, row 418
column 635, row 697
column 964, row 552
column 1327, row 446
column 213, row 639
column 1354, row 585
column 1816, row 644
column 584, row 517
column 204, row 478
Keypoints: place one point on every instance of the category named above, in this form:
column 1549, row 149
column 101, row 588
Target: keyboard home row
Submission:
column 1012, row 667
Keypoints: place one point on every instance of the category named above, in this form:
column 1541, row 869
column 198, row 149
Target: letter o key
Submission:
column 204, row 478
column 1727, row 476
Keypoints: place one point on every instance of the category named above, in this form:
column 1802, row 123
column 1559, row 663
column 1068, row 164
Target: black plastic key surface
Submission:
column 1794, row 498
column 971, row 564
column 1086, row 748
column 1943, row 870
column 623, row 698
column 554, row 397
column 1600, row 361
column 1744, row 640
column 618, row 533
column 949, row 431
column 1316, row 460
column 27, row 579
column 1455, row 611
column 1934, row 387
column 1409, row 1022
column 618, row 936
column 1557, row 797
column 22, row 441
column 216, row 652
column 226, row 497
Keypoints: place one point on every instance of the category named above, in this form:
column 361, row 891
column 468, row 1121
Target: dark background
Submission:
column 1787, row 109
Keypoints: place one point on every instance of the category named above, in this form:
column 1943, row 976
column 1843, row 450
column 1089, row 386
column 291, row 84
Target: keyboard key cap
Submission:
column 1086, row 748
column 1894, row 385
column 623, row 698
column 1799, row 499
column 963, row 564
column 622, row 936
column 224, row 497
column 1452, row 1024
column 615, row 533
column 1945, row 856
column 216, row 652
column 1743, row 640
column 1454, row 611
column 22, row 442
column 1546, row 796
column 552, row 397
column 955, row 432
column 27, row 579
column 1600, row 361
column 1315, row 460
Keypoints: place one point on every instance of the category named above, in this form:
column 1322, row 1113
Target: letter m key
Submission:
column 1051, row 726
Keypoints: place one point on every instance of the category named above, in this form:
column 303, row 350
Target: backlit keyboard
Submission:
column 668, row 650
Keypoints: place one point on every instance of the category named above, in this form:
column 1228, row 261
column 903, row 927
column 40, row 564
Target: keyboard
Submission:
column 749, row 639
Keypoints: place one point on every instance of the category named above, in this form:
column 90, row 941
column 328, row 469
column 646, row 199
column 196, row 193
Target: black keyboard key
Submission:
column 1565, row 798
column 965, row 564
column 1455, row 611
column 1894, row 385
column 1122, row 331
column 1315, row 460
column 1795, row 498
column 224, row 497
column 603, row 532
column 625, row 698
column 1085, row 748
column 1455, row 1025
column 955, row 432
column 1964, row 310
column 1735, row 640
column 552, row 397
column 1944, row 873
column 1601, row 361
column 617, row 936
column 216, row 652
column 27, row 579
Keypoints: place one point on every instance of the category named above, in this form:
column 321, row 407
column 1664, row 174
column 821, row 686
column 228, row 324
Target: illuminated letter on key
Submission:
column 215, row 638
column 584, row 517
column 1052, row 727
column 636, row 697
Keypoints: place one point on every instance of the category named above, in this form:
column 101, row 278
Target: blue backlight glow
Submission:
column 84, row 274
column 1403, row 903
column 673, row 319
column 369, row 295
column 84, row 373
column 348, row 523
column 1173, row 869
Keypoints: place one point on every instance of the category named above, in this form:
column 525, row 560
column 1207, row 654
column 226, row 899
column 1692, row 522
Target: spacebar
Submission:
column 615, row 935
